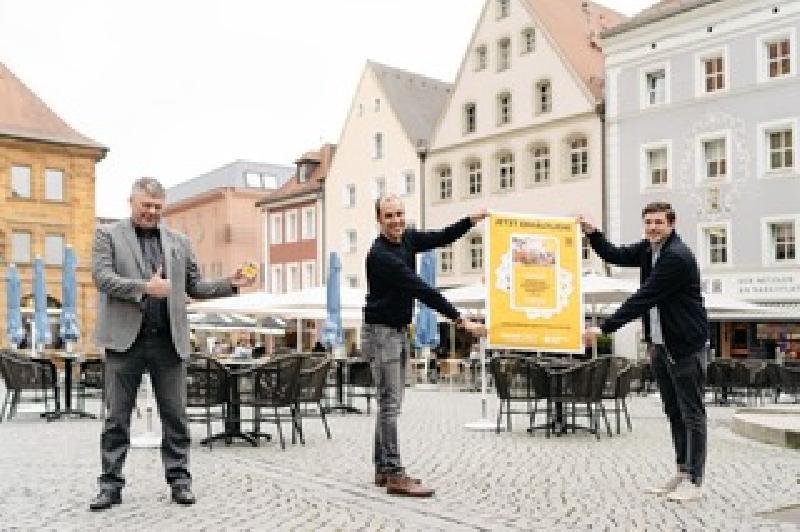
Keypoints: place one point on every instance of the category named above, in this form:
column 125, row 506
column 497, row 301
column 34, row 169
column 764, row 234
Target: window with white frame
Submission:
column 349, row 195
column 586, row 249
column 377, row 146
column 475, row 252
column 780, row 149
column 352, row 281
column 309, row 223
column 276, row 228
column 503, row 54
column 505, row 171
column 782, row 241
column 503, row 108
column 350, row 241
column 481, row 57
column 379, row 187
column 276, row 279
column 716, row 243
column 361, row 109
column 20, row 181
column 655, row 86
column 252, row 179
column 778, row 57
column 54, row 250
column 540, row 163
column 291, row 225
column 446, row 260
column 309, row 274
column 470, row 117
column 407, row 183
column 528, row 40
column 377, row 105
column 713, row 73
column 444, row 177
column 579, row 156
column 20, row 247
column 474, row 177
column 657, row 166
column 544, row 97
column 715, row 158
column 54, row 184
column 503, row 8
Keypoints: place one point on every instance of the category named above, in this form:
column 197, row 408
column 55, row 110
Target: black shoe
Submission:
column 183, row 495
column 106, row 499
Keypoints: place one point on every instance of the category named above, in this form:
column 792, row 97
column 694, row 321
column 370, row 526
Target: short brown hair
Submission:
column 660, row 206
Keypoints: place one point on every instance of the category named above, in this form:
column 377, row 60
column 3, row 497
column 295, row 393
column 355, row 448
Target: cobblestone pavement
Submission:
column 484, row 481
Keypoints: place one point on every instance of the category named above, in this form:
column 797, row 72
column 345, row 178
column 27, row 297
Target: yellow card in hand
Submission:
column 249, row 270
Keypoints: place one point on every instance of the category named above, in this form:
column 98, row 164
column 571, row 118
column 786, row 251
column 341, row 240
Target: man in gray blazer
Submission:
column 143, row 273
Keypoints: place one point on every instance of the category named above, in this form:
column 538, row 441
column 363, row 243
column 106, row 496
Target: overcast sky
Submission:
column 178, row 87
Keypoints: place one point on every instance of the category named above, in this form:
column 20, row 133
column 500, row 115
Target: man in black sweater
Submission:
column 670, row 303
column 392, row 286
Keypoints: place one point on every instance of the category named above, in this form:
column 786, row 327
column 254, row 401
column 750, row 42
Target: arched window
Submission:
column 505, row 171
column 474, row 177
column 540, row 164
column 444, row 178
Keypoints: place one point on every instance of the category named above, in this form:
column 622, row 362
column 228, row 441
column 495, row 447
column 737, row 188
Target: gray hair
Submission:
column 149, row 186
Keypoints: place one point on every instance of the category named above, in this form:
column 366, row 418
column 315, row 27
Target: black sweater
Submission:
column 392, row 281
column 672, row 284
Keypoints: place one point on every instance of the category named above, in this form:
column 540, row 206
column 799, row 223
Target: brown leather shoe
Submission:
column 380, row 479
column 403, row 485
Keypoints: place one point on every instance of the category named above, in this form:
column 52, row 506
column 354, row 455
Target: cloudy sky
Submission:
column 176, row 88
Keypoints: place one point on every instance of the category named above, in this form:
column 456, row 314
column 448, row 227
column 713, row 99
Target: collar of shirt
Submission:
column 146, row 231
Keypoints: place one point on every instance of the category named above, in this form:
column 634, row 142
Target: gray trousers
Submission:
column 123, row 375
column 387, row 351
column 681, row 383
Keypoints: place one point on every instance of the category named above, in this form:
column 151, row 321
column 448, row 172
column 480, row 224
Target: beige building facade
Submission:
column 47, row 179
column 384, row 140
column 523, row 129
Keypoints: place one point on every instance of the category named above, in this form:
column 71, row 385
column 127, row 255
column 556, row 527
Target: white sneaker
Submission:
column 669, row 487
column 687, row 491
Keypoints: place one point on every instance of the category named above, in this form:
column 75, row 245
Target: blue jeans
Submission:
column 387, row 350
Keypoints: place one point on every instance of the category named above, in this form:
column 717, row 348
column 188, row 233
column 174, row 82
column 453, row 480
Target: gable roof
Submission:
column 575, row 30
column 416, row 100
column 231, row 175
column 293, row 187
column 659, row 11
column 24, row 115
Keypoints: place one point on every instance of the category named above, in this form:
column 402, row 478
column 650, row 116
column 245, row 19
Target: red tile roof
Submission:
column 576, row 31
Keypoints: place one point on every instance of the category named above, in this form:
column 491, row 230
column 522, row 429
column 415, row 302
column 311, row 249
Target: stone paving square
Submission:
column 484, row 481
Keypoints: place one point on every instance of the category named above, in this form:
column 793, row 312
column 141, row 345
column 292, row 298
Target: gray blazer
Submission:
column 119, row 274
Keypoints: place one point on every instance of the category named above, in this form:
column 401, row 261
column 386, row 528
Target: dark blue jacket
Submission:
column 672, row 285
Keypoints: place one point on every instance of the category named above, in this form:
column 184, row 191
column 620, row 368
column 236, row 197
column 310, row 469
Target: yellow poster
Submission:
column 533, row 276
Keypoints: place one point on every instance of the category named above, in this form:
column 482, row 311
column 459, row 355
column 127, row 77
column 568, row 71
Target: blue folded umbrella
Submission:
column 68, row 327
column 43, row 335
column 16, row 333
column 426, row 326
column 332, row 332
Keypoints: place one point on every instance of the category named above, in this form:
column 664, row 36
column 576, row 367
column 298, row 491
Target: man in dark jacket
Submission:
column 392, row 286
column 670, row 303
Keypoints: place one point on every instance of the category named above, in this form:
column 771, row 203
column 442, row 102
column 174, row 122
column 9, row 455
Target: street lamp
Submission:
column 422, row 153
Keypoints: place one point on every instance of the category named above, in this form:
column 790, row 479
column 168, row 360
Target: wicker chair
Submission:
column 313, row 375
column 512, row 383
column 28, row 375
column 92, row 377
column 206, row 393
column 618, row 387
column 275, row 387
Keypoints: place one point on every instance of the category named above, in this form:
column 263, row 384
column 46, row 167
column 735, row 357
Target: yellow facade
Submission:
column 73, row 218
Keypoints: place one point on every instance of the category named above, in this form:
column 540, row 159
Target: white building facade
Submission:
column 523, row 129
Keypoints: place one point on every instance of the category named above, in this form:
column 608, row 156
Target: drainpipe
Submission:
column 604, row 221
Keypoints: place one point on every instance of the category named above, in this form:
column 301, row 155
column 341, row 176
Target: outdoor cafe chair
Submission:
column 790, row 381
column 539, row 386
column 582, row 386
column 275, row 388
column 91, row 377
column 206, row 392
column 512, row 384
column 618, row 387
column 359, row 381
column 25, row 375
column 313, row 376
